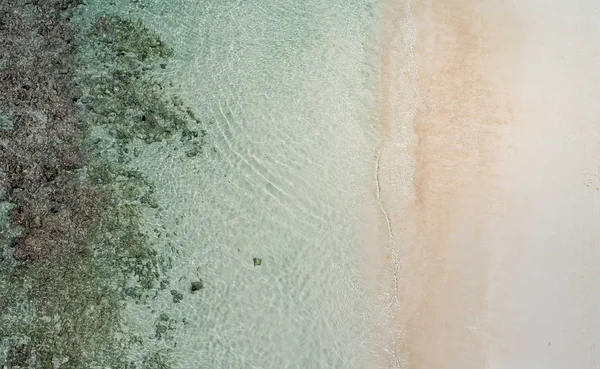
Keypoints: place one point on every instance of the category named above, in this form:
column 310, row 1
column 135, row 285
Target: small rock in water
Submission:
column 257, row 261
column 164, row 284
column 177, row 296
column 192, row 152
column 160, row 330
column 197, row 285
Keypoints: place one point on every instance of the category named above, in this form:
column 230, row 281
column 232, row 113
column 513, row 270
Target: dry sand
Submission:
column 489, row 184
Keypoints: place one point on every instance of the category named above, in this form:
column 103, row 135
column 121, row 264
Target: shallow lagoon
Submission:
column 282, row 92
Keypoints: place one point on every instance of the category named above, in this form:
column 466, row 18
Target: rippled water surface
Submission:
column 283, row 89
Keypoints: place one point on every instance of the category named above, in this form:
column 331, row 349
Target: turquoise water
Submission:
column 285, row 89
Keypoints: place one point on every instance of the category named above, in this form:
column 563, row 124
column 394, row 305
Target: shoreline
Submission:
column 440, row 173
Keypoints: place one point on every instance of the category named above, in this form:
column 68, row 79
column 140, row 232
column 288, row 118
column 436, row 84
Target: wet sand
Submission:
column 488, row 181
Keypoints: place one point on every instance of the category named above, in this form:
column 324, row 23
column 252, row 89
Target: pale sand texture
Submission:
column 488, row 177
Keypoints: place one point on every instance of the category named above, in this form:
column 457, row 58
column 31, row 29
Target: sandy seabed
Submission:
column 488, row 184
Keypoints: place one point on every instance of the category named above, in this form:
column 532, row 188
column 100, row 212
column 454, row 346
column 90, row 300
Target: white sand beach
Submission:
column 490, row 179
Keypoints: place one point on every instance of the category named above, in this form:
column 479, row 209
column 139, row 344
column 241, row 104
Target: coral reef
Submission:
column 71, row 235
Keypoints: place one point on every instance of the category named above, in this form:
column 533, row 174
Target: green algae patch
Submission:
column 65, row 311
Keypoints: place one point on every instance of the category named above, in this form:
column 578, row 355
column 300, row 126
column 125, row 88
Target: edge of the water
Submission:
column 445, row 103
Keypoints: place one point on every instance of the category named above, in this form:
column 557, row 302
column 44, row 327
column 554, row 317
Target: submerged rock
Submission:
column 177, row 296
column 197, row 285
column 160, row 331
column 164, row 284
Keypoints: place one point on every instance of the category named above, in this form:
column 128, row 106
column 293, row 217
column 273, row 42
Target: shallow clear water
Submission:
column 285, row 88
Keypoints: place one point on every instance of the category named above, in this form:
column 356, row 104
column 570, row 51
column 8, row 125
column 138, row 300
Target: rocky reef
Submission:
column 76, row 105
column 41, row 135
